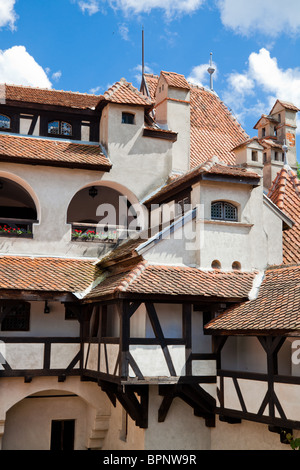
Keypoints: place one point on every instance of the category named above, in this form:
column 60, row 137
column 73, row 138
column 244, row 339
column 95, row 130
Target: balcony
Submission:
column 82, row 232
column 32, row 356
column 18, row 228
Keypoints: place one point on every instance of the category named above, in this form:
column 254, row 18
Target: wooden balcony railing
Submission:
column 258, row 397
column 83, row 232
column 10, row 227
column 39, row 356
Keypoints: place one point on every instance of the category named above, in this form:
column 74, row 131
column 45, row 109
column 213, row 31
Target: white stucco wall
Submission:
column 140, row 163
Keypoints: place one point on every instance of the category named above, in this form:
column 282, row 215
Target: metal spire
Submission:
column 211, row 70
column 143, row 55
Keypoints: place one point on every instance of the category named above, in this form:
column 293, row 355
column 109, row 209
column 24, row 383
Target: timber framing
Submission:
column 123, row 379
column 270, row 410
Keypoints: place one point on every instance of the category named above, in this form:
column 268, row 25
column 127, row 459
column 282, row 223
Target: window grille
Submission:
column 223, row 211
column 16, row 317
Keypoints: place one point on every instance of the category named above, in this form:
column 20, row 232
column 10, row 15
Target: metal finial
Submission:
column 211, row 70
column 285, row 150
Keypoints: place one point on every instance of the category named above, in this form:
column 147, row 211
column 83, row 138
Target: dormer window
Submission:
column 59, row 128
column 222, row 210
column 127, row 118
column 4, row 122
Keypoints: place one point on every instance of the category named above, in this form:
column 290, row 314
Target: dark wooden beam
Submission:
column 160, row 336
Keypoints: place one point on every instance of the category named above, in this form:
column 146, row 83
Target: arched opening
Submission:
column 216, row 264
column 103, row 213
column 17, row 209
column 236, row 266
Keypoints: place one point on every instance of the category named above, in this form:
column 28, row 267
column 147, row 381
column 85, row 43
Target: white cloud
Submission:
column 275, row 81
column 271, row 17
column 138, row 72
column 7, row 13
column 200, row 76
column 18, row 67
column 96, row 90
column 89, row 6
column 265, row 79
column 145, row 6
column 124, row 32
column 56, row 75
column 170, row 7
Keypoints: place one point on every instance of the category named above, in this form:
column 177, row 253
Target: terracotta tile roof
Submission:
column 285, row 104
column 211, row 167
column 123, row 92
column 126, row 249
column 175, row 80
column 46, row 274
column 49, row 96
column 275, row 309
column 270, row 143
column 15, row 148
column 285, row 193
column 214, row 130
column 147, row 279
column 151, row 82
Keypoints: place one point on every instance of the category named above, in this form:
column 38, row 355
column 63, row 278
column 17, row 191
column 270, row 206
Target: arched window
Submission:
column 59, row 128
column 4, row 122
column 222, row 210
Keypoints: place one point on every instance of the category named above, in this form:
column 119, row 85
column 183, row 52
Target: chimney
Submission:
column 173, row 113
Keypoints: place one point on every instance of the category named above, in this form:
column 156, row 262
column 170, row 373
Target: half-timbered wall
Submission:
column 32, row 352
column 258, row 380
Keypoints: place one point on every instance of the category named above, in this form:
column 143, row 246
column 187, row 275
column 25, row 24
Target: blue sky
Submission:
column 87, row 45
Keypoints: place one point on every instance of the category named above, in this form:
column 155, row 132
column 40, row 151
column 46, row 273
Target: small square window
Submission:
column 127, row 118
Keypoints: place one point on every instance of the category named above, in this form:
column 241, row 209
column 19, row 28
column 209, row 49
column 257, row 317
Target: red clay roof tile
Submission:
column 146, row 279
column 214, row 130
column 48, row 96
column 275, row 309
column 175, row 80
column 123, row 92
column 52, row 152
column 285, row 193
column 211, row 167
column 46, row 274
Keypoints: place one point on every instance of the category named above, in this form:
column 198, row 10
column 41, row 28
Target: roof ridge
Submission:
column 123, row 82
column 280, row 181
column 49, row 89
column 282, row 266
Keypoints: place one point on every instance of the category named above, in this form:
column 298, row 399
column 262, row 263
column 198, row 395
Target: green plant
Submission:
column 294, row 443
column 6, row 229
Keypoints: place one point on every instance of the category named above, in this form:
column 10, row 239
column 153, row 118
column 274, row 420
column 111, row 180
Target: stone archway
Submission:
column 105, row 208
column 28, row 417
